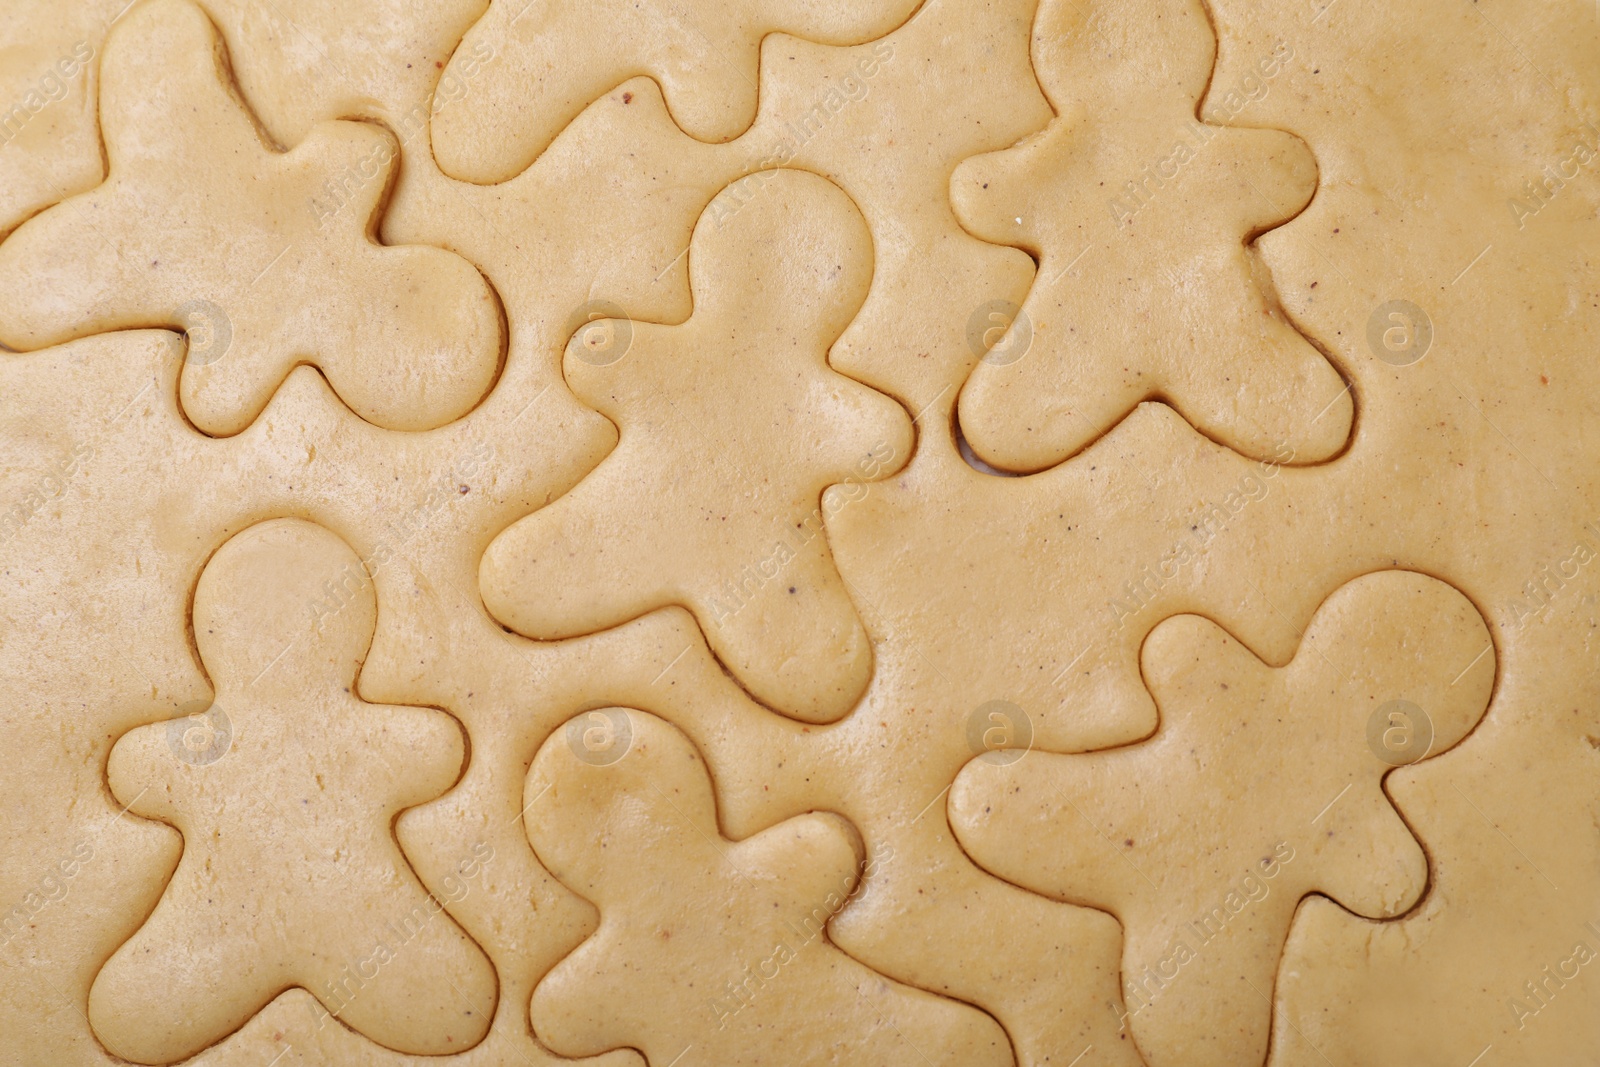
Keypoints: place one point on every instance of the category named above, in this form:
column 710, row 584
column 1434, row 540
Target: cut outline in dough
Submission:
column 565, row 525
column 1345, row 626
column 458, row 331
column 1076, row 121
column 558, row 758
column 751, row 73
column 246, row 540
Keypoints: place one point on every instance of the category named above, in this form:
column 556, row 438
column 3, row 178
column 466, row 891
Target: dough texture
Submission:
column 1055, row 533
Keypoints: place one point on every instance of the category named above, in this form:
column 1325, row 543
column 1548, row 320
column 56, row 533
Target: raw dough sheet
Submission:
column 689, row 533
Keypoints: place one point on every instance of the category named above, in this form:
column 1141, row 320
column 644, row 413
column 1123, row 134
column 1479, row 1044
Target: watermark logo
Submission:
column 348, row 585
column 1399, row 733
column 200, row 733
column 342, row 189
column 599, row 333
column 600, row 738
column 999, row 332
column 340, row 991
column 1141, row 990
column 1253, row 85
column 209, row 330
column 1399, row 333
column 999, row 732
column 52, row 484
column 50, row 887
column 791, row 939
column 52, row 86
column 1537, row 192
column 1542, row 989
column 1192, row 138
column 1208, row 522
column 732, row 596
column 1549, row 579
column 797, row 132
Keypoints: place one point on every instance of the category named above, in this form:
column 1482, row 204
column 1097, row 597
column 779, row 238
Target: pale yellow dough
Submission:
column 283, row 788
column 737, row 415
column 706, row 944
column 261, row 256
column 445, row 606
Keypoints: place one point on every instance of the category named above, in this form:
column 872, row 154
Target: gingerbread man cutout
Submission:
column 546, row 64
column 1139, row 214
column 709, row 944
column 739, row 413
column 1260, row 786
column 264, row 257
column 285, row 792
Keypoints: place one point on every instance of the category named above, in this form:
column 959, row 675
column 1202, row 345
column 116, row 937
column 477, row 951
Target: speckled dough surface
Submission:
column 1056, row 533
